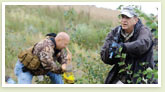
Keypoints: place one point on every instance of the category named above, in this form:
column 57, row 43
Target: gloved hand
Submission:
column 114, row 49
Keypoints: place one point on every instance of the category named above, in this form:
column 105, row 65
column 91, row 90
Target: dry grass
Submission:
column 95, row 13
column 26, row 25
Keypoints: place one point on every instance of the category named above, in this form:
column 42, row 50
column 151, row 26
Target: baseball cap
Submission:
column 128, row 11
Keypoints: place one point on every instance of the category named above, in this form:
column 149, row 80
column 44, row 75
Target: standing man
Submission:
column 135, row 39
column 43, row 60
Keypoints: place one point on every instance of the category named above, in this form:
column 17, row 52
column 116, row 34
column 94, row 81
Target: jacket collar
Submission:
column 137, row 27
column 136, row 30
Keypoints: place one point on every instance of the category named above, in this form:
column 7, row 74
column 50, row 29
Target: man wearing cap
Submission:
column 135, row 39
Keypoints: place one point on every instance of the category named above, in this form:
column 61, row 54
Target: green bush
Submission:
column 26, row 25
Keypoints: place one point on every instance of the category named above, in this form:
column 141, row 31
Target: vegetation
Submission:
column 26, row 25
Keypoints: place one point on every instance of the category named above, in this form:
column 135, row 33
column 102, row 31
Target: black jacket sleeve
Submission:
column 141, row 45
column 105, row 49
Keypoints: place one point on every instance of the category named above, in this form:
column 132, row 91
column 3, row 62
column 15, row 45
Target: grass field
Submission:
column 87, row 26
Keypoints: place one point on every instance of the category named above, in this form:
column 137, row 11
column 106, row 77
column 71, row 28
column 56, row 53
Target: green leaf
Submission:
column 117, row 56
column 146, row 63
column 121, row 63
column 154, row 25
column 129, row 72
column 128, row 81
column 123, row 55
column 149, row 69
column 139, row 71
column 144, row 80
column 119, row 8
column 149, row 76
column 144, row 72
column 136, row 75
column 120, row 49
column 142, row 64
column 139, row 80
column 156, row 75
column 122, row 70
column 129, row 66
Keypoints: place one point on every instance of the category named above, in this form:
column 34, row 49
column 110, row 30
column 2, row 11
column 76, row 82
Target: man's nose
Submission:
column 123, row 19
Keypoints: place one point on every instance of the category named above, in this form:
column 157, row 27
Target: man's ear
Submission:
column 57, row 42
column 58, row 39
column 136, row 19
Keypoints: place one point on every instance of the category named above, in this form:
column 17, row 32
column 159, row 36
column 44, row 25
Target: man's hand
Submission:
column 69, row 56
column 67, row 66
column 63, row 66
column 114, row 49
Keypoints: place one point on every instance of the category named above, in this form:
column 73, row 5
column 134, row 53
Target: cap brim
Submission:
column 126, row 13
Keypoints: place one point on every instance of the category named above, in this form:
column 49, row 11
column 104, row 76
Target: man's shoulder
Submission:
column 145, row 29
column 115, row 29
column 44, row 44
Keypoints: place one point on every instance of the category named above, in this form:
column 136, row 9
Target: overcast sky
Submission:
column 147, row 7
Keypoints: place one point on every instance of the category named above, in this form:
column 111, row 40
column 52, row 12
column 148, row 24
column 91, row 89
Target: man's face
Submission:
column 128, row 23
column 63, row 43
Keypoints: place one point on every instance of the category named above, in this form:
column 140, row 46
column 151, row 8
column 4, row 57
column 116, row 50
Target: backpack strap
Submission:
column 51, row 34
column 55, row 50
column 33, row 47
column 52, row 39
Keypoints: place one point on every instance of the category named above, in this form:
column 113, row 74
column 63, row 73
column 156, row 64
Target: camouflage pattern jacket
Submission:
column 45, row 51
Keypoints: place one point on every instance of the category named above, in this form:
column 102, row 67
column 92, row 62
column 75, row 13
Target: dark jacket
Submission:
column 138, row 49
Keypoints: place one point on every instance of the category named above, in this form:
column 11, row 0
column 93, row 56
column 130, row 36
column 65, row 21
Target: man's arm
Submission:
column 62, row 58
column 141, row 45
column 105, row 49
column 46, row 58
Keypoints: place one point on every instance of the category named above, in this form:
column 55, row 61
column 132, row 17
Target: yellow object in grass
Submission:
column 68, row 78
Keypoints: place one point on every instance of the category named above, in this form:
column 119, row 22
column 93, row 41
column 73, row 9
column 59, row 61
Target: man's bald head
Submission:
column 63, row 36
column 62, row 40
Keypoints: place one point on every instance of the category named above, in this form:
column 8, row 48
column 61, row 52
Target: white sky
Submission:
column 147, row 7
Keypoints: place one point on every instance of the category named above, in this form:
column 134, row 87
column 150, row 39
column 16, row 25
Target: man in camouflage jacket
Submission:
column 48, row 53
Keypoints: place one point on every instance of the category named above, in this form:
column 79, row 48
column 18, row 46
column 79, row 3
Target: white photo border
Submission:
column 80, row 85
